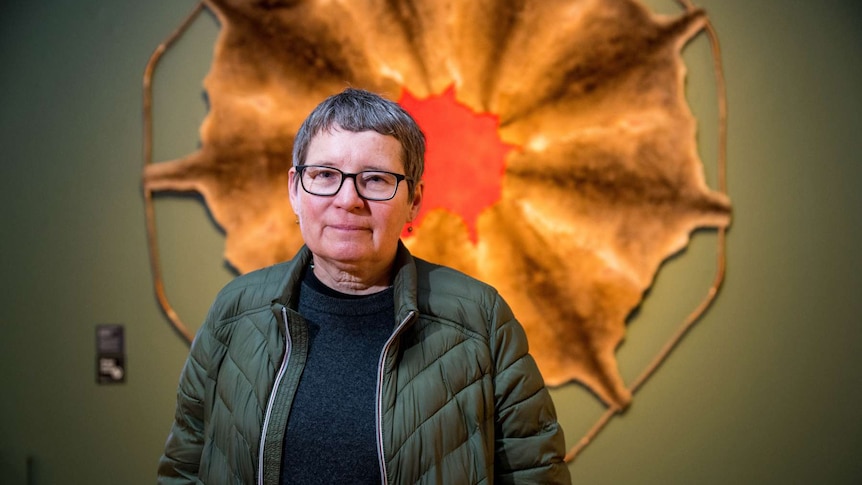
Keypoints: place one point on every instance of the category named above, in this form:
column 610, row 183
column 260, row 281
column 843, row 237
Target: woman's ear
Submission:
column 292, row 189
column 416, row 203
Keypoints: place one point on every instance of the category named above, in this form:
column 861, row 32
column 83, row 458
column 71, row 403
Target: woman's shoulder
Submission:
column 259, row 278
column 450, row 294
column 252, row 291
column 440, row 278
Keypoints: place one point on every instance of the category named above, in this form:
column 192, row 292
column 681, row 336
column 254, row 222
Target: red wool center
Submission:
column 464, row 158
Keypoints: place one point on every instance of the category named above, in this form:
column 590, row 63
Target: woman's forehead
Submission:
column 368, row 149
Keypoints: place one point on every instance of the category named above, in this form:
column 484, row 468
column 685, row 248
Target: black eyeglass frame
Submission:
column 346, row 175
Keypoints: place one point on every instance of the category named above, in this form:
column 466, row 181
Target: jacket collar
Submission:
column 405, row 283
column 287, row 295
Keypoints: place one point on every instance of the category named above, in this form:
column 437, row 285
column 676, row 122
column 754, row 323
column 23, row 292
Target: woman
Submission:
column 355, row 362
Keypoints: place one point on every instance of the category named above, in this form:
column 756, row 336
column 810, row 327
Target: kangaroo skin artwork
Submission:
column 562, row 167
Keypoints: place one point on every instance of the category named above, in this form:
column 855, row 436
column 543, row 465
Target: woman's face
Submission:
column 345, row 228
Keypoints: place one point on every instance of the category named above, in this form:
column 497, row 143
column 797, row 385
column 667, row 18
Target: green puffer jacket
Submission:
column 459, row 399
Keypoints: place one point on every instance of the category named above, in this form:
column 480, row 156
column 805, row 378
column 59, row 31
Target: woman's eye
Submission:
column 323, row 174
column 376, row 178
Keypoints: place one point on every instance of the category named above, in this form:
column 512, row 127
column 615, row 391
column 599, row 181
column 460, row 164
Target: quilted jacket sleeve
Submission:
column 529, row 443
column 182, row 456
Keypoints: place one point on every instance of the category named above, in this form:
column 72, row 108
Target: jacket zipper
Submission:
column 278, row 377
column 379, row 395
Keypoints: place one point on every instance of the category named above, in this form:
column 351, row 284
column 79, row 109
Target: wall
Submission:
column 764, row 390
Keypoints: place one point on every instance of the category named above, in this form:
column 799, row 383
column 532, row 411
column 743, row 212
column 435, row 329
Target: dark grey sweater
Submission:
column 330, row 435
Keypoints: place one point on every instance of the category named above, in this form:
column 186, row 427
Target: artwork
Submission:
column 562, row 164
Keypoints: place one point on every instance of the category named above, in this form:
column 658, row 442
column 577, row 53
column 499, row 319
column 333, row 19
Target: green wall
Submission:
column 766, row 389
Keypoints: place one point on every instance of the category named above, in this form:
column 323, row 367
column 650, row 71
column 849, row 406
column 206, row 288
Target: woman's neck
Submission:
column 352, row 279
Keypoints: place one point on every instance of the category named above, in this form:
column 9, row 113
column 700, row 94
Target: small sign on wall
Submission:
column 110, row 354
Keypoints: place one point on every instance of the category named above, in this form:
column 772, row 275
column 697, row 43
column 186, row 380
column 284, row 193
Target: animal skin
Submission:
column 605, row 182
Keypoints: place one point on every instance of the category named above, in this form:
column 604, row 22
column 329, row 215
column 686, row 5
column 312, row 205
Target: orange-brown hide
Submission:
column 605, row 185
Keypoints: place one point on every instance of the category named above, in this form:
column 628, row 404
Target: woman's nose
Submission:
column 347, row 195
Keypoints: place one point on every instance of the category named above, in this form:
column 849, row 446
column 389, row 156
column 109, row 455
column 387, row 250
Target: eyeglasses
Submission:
column 370, row 184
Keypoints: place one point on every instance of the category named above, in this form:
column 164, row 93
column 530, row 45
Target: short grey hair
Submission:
column 358, row 110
